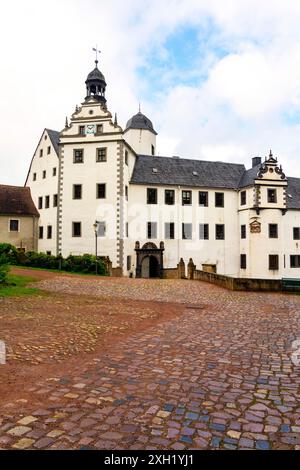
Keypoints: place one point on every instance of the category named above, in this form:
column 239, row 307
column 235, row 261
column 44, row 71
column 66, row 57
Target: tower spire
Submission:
column 96, row 50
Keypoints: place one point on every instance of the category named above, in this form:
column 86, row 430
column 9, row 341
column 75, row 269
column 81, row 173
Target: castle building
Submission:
column 95, row 181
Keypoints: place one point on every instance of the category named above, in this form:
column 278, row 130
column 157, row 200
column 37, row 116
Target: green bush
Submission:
column 78, row 264
column 3, row 273
column 9, row 254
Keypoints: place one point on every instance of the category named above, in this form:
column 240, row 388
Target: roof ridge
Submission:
column 191, row 160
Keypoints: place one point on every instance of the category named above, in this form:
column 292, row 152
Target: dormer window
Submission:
column 99, row 128
column 154, row 170
column 272, row 196
column 81, row 130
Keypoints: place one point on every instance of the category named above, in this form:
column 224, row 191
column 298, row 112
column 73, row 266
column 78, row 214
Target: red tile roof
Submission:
column 16, row 200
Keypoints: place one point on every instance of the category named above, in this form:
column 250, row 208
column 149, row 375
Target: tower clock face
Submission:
column 90, row 129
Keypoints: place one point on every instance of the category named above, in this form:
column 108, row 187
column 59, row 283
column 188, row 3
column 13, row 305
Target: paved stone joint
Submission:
column 218, row 377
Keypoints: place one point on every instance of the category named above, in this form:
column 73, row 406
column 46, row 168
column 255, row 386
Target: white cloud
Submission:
column 235, row 114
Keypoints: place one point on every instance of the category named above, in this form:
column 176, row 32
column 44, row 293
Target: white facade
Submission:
column 99, row 177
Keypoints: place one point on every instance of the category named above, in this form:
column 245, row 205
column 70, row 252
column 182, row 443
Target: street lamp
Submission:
column 96, row 225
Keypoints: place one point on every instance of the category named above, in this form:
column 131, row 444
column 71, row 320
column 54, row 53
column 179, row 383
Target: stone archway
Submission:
column 149, row 263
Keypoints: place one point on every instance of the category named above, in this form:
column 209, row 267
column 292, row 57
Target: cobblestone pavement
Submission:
column 217, row 376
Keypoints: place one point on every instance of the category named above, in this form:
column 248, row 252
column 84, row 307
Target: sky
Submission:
column 220, row 79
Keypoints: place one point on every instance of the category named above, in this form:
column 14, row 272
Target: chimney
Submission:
column 256, row 161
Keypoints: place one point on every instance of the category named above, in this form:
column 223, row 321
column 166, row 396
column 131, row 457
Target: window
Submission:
column 152, row 150
column 48, row 253
column 170, row 197
column 41, row 152
column 187, row 230
column 220, row 232
column 204, row 232
column 169, row 231
column 49, row 232
column 128, row 263
column 102, row 154
column 127, row 229
column 78, row 156
column 82, row 130
column 273, row 231
column 151, row 196
column 55, row 200
column 48, row 150
column 76, row 229
column 219, row 199
column 273, row 262
column 99, row 128
column 101, row 229
column 296, row 233
column 243, row 261
column 41, row 233
column 295, row 261
column 272, row 196
column 243, row 231
column 47, row 202
column 186, row 198
column 126, row 193
column 44, row 174
column 54, row 172
column 101, row 191
column 13, row 225
column 77, row 191
column 126, row 157
column 34, row 177
column 243, row 198
column 40, row 204
column 203, row 198
column 151, row 230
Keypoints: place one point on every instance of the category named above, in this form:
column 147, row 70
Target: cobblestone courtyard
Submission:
column 148, row 364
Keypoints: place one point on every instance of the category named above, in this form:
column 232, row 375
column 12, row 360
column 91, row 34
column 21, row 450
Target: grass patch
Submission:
column 16, row 286
column 58, row 271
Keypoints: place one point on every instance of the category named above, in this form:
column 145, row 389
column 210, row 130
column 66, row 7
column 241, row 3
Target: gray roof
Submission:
column 95, row 75
column 184, row 172
column 249, row 176
column 293, row 190
column 54, row 137
column 140, row 121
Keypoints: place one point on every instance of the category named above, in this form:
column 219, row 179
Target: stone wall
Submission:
column 175, row 273
column 240, row 284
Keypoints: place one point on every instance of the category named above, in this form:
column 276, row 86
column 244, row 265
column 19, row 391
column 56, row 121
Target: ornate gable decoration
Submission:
column 270, row 168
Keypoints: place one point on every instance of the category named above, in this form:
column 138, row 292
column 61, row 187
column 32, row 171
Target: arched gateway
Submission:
column 149, row 260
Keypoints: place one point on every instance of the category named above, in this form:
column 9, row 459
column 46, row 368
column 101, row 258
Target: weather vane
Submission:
column 95, row 49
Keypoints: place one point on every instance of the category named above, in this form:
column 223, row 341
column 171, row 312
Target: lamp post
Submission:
column 96, row 224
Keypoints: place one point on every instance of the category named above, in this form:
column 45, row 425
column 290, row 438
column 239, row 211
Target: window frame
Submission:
column 243, row 261
column 75, row 157
column 150, row 226
column 73, row 229
column 75, row 188
column 183, row 228
column 98, row 186
column 101, row 158
column 243, row 232
column 296, row 237
column 270, row 197
column 171, row 201
column 219, row 194
column 202, row 193
column 216, row 231
column 184, row 199
column 273, row 235
column 243, row 200
column 276, row 264
column 204, row 235
column 10, row 225
column 49, row 232
column 295, row 265
column 155, row 192
column 170, row 233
